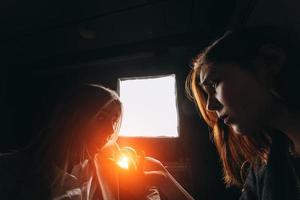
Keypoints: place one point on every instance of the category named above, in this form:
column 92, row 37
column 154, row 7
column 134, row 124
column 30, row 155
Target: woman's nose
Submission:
column 212, row 104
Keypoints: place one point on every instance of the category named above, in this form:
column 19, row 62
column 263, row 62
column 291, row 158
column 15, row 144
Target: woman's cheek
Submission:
column 224, row 94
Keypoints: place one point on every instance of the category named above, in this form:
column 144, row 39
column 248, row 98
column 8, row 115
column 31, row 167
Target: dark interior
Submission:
column 45, row 43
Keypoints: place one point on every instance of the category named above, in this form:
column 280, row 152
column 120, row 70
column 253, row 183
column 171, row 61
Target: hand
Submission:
column 148, row 173
column 144, row 173
column 157, row 175
column 154, row 171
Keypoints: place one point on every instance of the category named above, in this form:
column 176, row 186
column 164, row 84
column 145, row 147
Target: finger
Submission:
column 155, row 178
column 153, row 164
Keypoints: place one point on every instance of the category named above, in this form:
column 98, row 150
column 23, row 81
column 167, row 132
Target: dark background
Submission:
column 45, row 44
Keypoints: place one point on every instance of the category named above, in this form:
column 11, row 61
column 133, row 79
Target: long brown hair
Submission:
column 243, row 47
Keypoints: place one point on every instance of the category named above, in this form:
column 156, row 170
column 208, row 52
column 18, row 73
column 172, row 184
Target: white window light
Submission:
column 149, row 106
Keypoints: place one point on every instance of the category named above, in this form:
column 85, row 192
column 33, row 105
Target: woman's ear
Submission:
column 271, row 60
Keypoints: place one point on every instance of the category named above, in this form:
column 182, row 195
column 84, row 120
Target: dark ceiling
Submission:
column 49, row 30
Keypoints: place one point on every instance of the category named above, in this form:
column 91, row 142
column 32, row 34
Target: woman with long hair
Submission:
column 67, row 159
column 246, row 87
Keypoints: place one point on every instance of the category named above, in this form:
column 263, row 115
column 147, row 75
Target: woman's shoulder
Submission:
column 253, row 182
column 276, row 171
column 255, row 172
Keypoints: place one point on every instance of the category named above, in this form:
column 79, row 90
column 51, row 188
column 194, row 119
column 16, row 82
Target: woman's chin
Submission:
column 244, row 130
column 239, row 130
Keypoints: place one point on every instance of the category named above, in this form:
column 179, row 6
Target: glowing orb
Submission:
column 123, row 162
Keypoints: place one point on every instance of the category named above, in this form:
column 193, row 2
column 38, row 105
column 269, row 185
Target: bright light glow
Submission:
column 123, row 162
column 149, row 107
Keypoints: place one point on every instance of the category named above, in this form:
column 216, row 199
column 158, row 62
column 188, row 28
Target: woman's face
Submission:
column 103, row 127
column 236, row 96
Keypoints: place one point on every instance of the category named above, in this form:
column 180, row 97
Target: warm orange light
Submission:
column 127, row 159
column 123, row 162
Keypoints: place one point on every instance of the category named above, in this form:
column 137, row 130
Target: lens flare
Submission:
column 127, row 159
column 123, row 162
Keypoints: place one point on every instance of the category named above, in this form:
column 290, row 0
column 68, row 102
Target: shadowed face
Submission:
column 236, row 96
column 104, row 126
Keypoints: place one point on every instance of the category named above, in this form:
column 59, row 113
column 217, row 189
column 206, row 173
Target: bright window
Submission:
column 149, row 107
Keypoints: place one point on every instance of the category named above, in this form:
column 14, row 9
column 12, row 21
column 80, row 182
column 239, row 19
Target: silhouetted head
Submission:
column 83, row 119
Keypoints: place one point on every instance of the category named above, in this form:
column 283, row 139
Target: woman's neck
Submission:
column 289, row 124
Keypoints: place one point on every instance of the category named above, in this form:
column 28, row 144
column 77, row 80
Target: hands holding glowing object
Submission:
column 128, row 159
column 137, row 173
column 125, row 158
column 148, row 172
column 119, row 168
